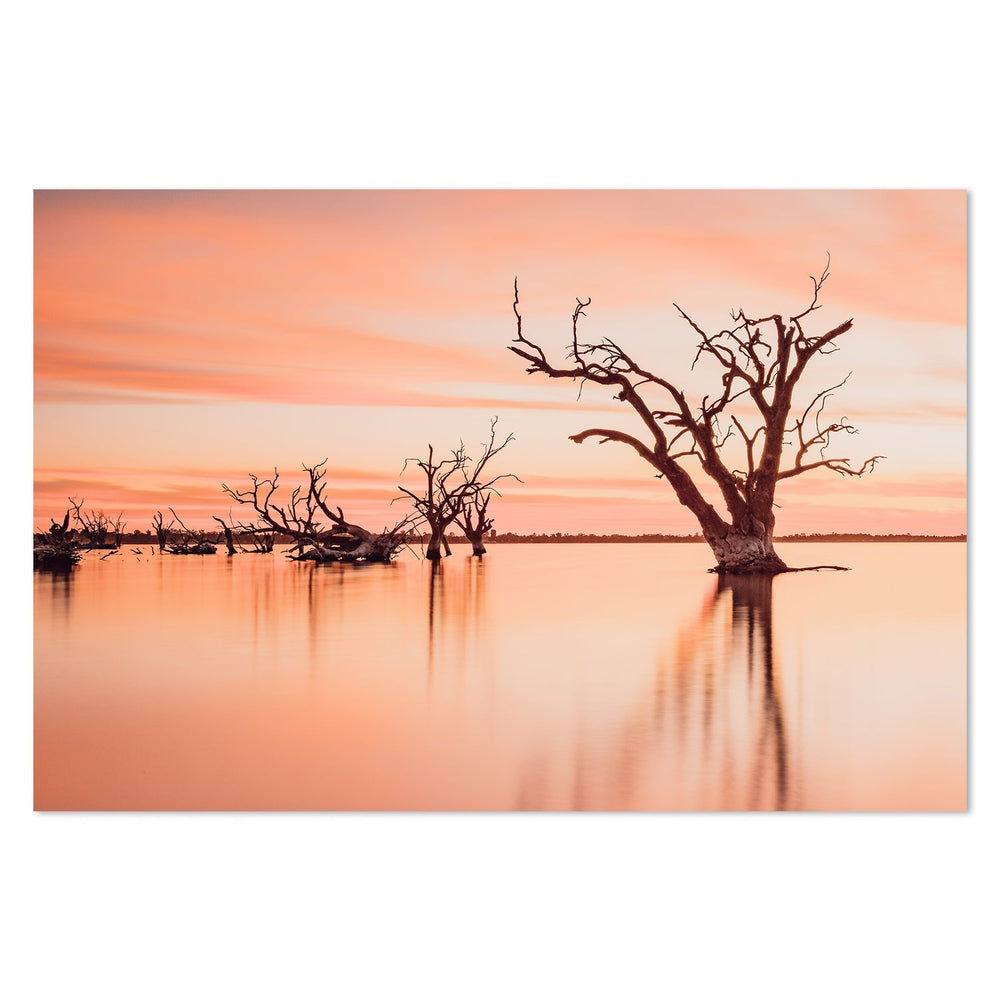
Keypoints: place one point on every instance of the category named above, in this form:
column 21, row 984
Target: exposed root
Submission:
column 807, row 569
column 771, row 571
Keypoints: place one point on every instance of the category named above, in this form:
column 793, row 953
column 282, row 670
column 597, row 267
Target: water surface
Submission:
column 541, row 677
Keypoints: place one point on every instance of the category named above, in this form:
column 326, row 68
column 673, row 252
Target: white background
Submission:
column 517, row 95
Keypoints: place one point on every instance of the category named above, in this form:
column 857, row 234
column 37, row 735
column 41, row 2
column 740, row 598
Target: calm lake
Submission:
column 541, row 677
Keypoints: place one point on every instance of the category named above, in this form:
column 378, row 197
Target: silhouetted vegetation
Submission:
column 162, row 530
column 319, row 530
column 456, row 492
column 761, row 362
column 190, row 543
column 645, row 539
column 96, row 526
column 57, row 548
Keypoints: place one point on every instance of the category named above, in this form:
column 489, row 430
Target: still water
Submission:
column 541, row 677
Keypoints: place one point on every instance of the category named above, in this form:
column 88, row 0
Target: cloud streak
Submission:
column 392, row 311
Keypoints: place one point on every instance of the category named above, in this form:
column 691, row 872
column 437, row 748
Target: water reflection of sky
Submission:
column 540, row 677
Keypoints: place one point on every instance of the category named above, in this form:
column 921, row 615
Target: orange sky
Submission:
column 186, row 338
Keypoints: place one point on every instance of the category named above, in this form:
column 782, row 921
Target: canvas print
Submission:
column 469, row 500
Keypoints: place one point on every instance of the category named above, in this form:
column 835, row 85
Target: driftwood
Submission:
column 96, row 526
column 192, row 543
column 56, row 549
column 55, row 556
column 318, row 528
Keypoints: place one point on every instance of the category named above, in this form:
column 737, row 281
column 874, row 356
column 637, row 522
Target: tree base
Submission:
column 764, row 565
column 745, row 554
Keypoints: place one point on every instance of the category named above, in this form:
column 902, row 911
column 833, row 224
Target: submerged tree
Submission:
column 241, row 536
column 473, row 518
column 456, row 492
column 191, row 542
column 227, row 533
column 318, row 528
column 57, row 548
column 162, row 530
column 95, row 525
column 474, row 522
column 761, row 360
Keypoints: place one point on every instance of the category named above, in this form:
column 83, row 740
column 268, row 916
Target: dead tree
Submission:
column 319, row 529
column 227, row 532
column 455, row 492
column 57, row 548
column 473, row 518
column 192, row 543
column 761, row 361
column 96, row 525
column 162, row 530
column 437, row 505
column 118, row 527
column 261, row 539
column 56, row 532
column 474, row 521
column 245, row 537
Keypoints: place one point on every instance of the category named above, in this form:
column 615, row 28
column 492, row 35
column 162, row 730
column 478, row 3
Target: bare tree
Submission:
column 56, row 548
column 162, row 530
column 96, row 525
column 118, row 527
column 192, row 543
column 474, row 522
column 227, row 533
column 438, row 504
column 246, row 536
column 318, row 528
column 473, row 518
column 261, row 539
column 761, row 361
column 455, row 491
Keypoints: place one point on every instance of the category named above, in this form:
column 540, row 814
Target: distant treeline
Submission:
column 870, row 538
column 148, row 538
column 563, row 537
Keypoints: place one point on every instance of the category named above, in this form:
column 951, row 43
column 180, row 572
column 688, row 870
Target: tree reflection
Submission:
column 753, row 626
column 725, row 674
column 435, row 599
column 710, row 732
column 454, row 612
column 59, row 584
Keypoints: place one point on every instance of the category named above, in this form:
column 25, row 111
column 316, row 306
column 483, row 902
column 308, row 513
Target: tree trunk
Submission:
column 745, row 549
column 434, row 544
column 228, row 532
column 476, row 537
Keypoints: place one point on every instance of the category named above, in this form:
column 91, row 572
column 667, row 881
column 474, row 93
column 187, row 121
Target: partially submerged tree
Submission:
column 191, row 543
column 244, row 536
column 260, row 539
column 760, row 360
column 227, row 533
column 455, row 491
column 57, row 548
column 118, row 529
column 473, row 518
column 474, row 522
column 162, row 530
column 95, row 526
column 318, row 528
column 436, row 505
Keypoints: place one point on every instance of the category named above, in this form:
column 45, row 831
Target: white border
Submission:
column 512, row 96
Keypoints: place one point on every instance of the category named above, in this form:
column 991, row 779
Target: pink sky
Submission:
column 186, row 338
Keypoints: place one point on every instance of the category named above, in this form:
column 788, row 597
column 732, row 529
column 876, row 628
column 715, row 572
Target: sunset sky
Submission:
column 185, row 338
